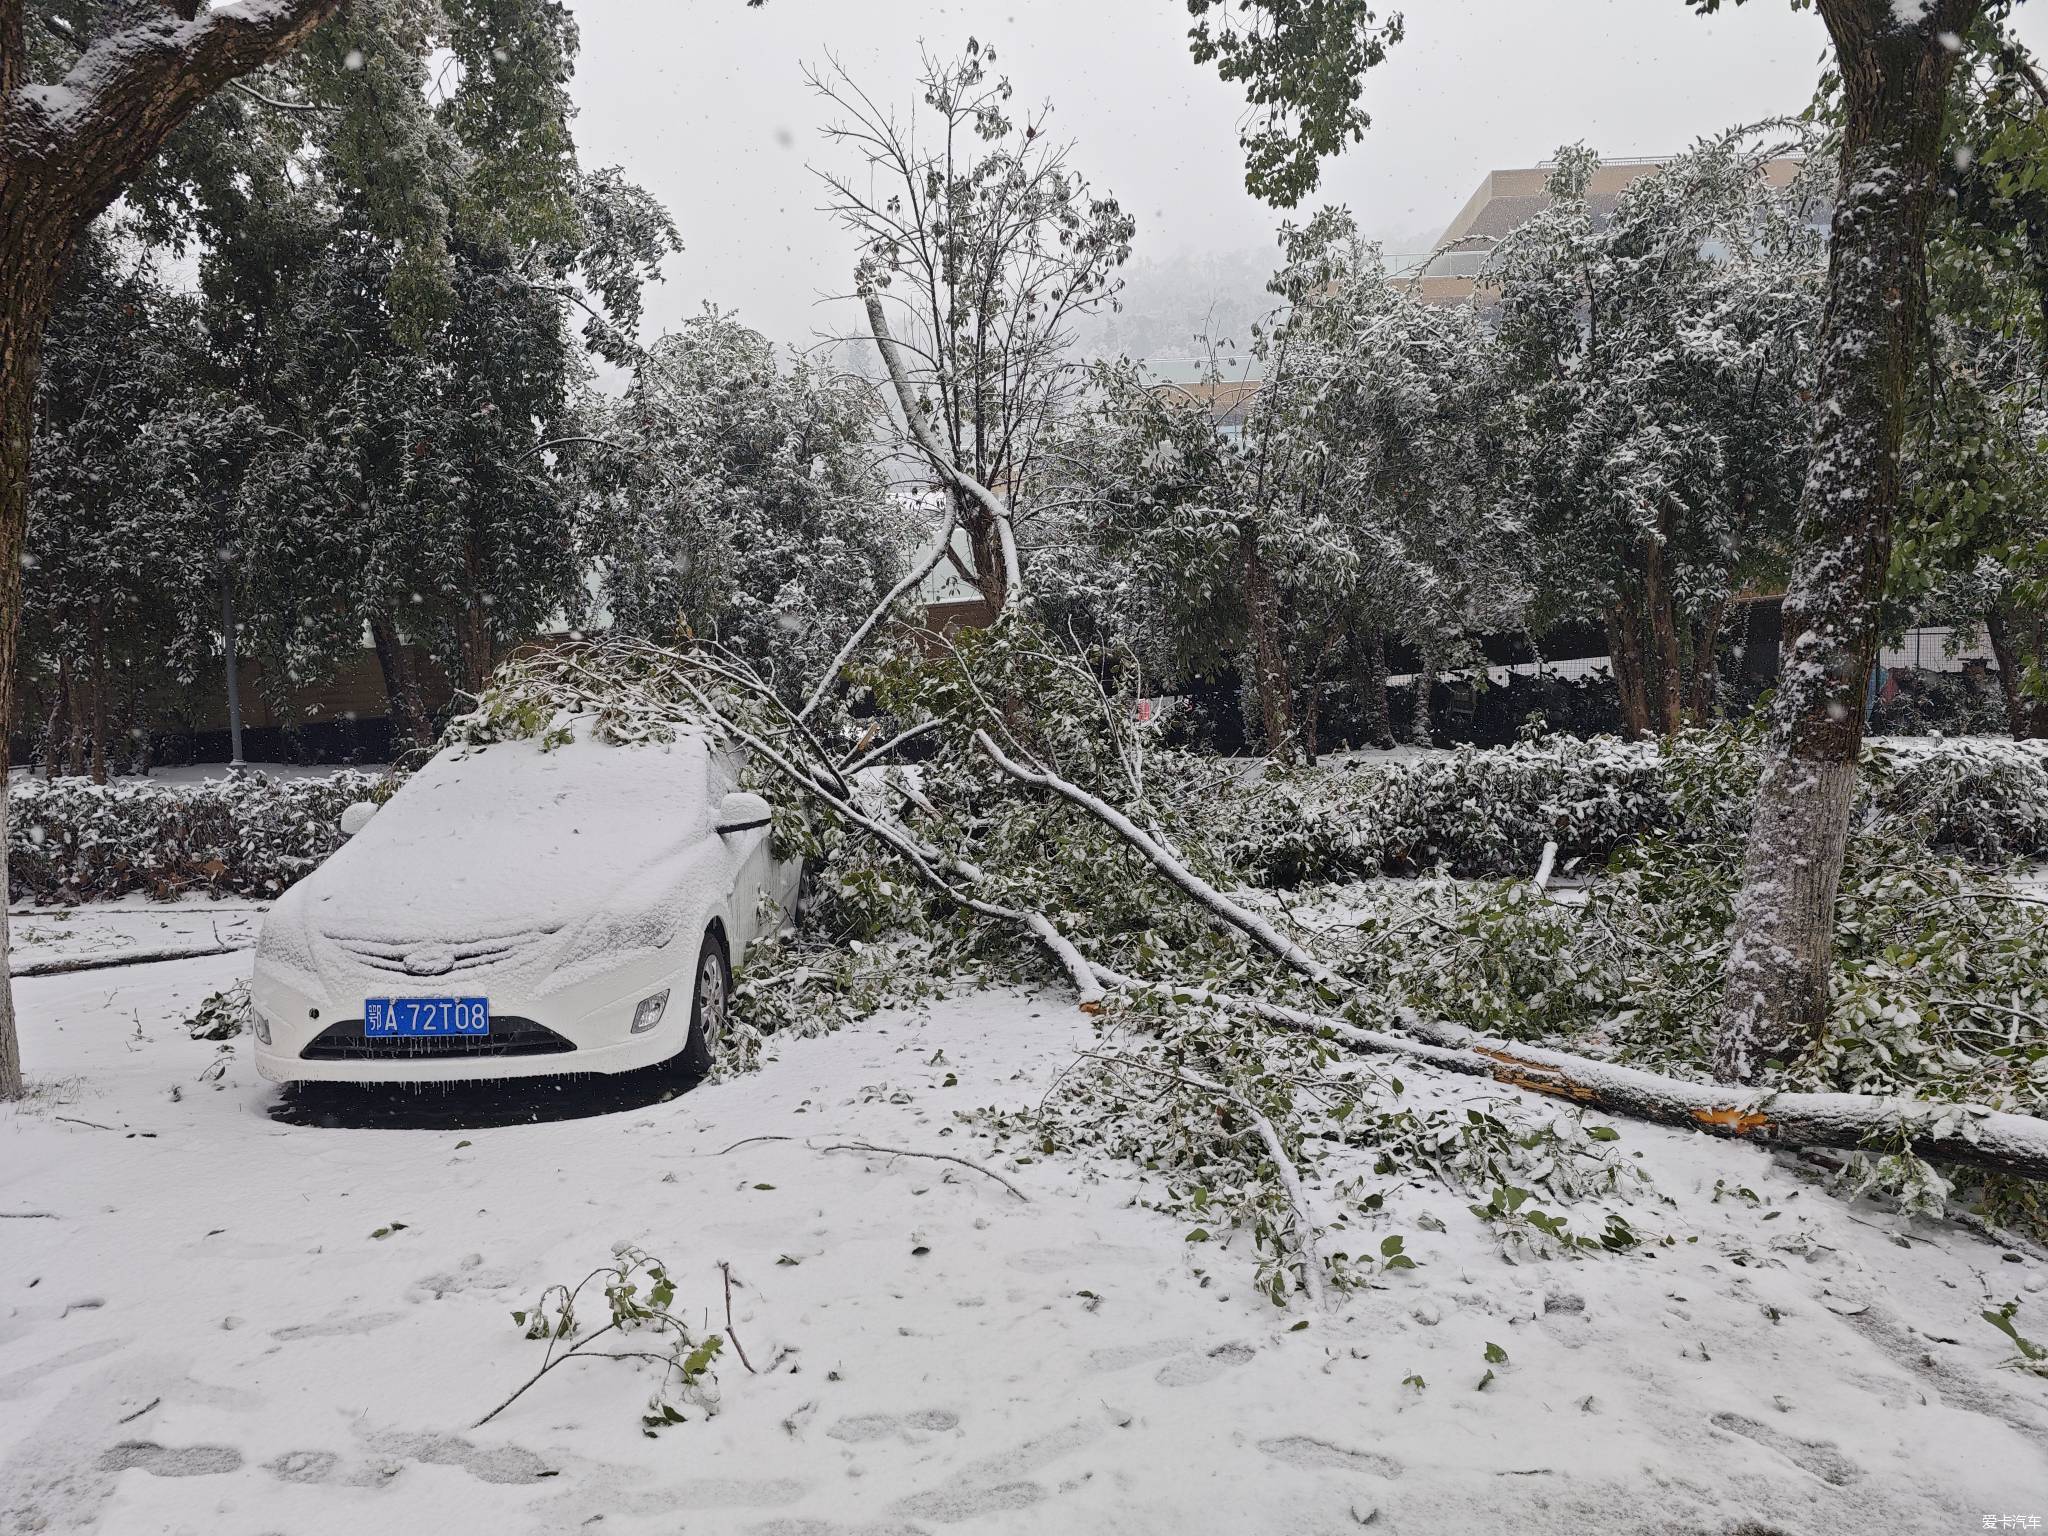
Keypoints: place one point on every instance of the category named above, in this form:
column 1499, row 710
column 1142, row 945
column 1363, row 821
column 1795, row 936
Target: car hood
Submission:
column 513, row 841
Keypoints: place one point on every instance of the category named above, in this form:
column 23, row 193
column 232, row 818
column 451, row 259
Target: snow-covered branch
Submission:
column 941, row 459
column 1219, row 906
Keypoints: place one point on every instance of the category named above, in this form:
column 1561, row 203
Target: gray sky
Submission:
column 703, row 102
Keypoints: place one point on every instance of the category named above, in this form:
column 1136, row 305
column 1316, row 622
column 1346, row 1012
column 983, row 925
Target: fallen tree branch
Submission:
column 72, row 964
column 1283, row 1165
column 943, row 1157
column 1204, row 894
column 1994, row 1140
column 739, row 1349
column 868, row 1146
column 924, row 860
column 881, row 610
column 868, row 759
column 581, row 1351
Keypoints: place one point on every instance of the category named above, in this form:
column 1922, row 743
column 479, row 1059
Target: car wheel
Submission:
column 710, row 1001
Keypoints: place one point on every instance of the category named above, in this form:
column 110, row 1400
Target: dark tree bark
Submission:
column 1270, row 671
column 1625, row 659
column 2026, row 717
column 1379, row 724
column 478, row 646
column 405, row 703
column 1670, row 694
column 1895, row 72
column 1706, row 664
column 1423, row 733
column 53, row 726
column 99, row 695
column 66, row 153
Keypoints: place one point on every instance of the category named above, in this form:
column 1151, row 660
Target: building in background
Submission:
column 1504, row 202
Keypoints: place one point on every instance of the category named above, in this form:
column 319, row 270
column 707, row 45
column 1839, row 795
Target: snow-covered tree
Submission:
column 1286, row 523
column 131, row 452
column 1661, row 358
column 1411, row 406
column 398, row 294
column 1973, row 543
column 730, row 494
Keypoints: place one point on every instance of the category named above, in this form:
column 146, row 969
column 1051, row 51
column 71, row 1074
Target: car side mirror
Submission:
column 742, row 812
column 356, row 817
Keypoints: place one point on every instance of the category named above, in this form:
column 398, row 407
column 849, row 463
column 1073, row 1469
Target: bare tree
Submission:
column 67, row 150
column 986, row 244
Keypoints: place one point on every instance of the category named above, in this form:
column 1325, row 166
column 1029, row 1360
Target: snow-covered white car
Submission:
column 516, row 911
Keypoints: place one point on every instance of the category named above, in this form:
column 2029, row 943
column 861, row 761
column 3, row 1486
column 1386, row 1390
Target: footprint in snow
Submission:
column 486, row 1463
column 170, row 1461
column 1123, row 1356
column 876, row 1426
column 1317, row 1455
column 734, row 1493
column 334, row 1327
column 1819, row 1457
column 1193, row 1370
column 947, row 1505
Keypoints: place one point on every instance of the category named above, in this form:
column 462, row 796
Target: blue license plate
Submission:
column 384, row 1017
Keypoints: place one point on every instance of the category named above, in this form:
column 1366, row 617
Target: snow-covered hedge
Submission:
column 70, row 840
column 1489, row 812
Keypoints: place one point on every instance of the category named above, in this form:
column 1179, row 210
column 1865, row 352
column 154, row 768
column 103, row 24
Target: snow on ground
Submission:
column 136, row 924
column 201, row 1331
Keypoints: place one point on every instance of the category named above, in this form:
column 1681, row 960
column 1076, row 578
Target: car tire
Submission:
column 710, row 1004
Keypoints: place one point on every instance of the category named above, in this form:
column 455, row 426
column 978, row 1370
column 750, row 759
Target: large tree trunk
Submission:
column 1424, row 732
column 1894, row 75
column 1625, row 660
column 985, row 544
column 404, row 699
column 1670, row 695
column 2025, row 717
column 1269, row 656
column 1379, row 724
column 32, row 257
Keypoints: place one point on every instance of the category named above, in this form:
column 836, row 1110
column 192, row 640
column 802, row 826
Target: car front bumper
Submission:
column 597, row 1030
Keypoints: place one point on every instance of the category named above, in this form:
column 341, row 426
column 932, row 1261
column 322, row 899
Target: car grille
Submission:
column 463, row 955
column 508, row 1037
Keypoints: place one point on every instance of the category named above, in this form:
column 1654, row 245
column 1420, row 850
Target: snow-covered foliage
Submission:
column 395, row 249
column 1490, row 812
column 1972, row 533
column 718, row 464
column 126, row 529
column 70, row 841
column 1285, row 524
column 1940, row 966
column 930, row 877
column 1662, row 357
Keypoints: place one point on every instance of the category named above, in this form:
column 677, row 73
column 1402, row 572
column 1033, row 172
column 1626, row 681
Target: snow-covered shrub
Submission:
column 1987, row 800
column 70, row 840
column 1481, row 812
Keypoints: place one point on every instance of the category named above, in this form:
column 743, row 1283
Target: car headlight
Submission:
column 649, row 1013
